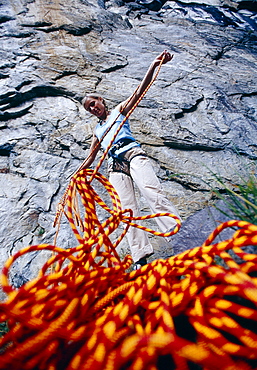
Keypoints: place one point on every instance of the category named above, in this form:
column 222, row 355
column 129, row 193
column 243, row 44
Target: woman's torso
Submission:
column 124, row 133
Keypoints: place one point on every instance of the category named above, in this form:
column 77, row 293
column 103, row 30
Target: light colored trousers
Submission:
column 142, row 173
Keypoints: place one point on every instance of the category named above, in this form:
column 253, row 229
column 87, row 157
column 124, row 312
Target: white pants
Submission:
column 143, row 175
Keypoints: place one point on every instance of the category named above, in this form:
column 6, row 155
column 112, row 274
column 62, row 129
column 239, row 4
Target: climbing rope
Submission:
column 196, row 310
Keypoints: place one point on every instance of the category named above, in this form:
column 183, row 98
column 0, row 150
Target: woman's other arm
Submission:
column 94, row 149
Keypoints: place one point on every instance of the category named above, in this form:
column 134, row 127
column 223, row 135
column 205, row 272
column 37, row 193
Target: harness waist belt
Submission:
column 119, row 147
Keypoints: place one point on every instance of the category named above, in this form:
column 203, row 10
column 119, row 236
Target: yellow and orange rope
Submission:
column 185, row 312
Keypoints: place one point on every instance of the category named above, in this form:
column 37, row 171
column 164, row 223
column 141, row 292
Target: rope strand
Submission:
column 89, row 312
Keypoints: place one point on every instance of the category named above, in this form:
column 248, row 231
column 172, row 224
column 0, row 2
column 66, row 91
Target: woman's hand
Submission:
column 165, row 56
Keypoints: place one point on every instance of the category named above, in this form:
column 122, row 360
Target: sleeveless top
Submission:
column 124, row 134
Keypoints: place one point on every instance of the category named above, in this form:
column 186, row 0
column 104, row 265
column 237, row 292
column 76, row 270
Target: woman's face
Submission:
column 96, row 107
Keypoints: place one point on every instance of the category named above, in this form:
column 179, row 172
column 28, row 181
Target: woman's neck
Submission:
column 104, row 118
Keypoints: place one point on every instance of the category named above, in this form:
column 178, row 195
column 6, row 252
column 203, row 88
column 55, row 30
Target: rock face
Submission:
column 198, row 118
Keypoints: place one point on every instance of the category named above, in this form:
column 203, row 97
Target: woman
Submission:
column 128, row 162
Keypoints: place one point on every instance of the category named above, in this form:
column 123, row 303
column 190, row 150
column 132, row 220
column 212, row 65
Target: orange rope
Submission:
column 182, row 313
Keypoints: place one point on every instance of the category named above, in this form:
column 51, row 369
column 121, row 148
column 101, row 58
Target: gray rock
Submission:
column 196, row 229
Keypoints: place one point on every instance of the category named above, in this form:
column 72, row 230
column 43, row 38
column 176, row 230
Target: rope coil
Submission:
column 91, row 313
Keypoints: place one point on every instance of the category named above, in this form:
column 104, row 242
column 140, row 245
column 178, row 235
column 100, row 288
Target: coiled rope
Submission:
column 186, row 312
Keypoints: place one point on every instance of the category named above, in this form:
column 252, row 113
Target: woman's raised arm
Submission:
column 125, row 106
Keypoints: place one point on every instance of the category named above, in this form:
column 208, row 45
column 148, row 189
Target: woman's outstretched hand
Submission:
column 165, row 56
column 127, row 105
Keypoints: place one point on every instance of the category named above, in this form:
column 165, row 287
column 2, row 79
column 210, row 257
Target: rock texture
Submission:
column 198, row 118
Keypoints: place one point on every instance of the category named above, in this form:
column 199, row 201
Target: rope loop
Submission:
column 86, row 309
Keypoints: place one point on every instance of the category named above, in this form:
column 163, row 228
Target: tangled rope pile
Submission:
column 86, row 311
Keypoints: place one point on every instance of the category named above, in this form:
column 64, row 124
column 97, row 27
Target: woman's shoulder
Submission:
column 117, row 111
column 122, row 106
column 119, row 107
